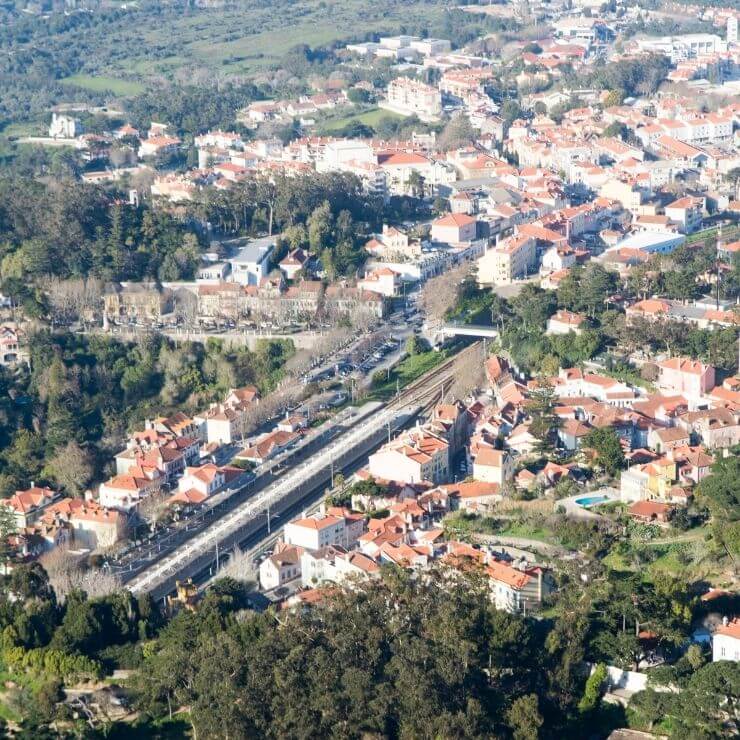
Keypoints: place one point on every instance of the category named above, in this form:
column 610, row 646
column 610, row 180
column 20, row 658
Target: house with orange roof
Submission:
column 564, row 322
column 158, row 146
column 403, row 555
column 572, row 432
column 521, row 440
column 649, row 308
column 165, row 455
column 454, row 228
column 667, row 438
column 558, row 257
column 694, row 463
column 414, row 456
column 716, row 427
column 493, row 466
column 473, row 495
column 511, row 258
column 124, row 492
column 320, row 530
column 382, row 280
column 90, row 525
column 726, row 641
column 409, row 97
column 452, row 422
column 28, row 506
column 687, row 213
column 518, row 587
column 200, row 482
column 283, row 566
column 648, row 482
column 651, row 512
column 178, row 424
column 267, row 446
column 334, row 564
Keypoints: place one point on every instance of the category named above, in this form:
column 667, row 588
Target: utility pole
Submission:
column 217, row 557
column 268, row 517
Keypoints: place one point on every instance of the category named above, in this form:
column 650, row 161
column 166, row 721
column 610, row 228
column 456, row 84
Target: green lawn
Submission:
column 369, row 118
column 100, row 83
column 406, row 372
column 530, row 532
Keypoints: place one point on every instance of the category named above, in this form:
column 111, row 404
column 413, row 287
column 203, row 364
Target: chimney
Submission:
column 725, row 621
column 33, row 484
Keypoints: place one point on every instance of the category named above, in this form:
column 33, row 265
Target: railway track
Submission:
column 299, row 482
column 436, row 382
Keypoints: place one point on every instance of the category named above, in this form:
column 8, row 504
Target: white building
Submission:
column 64, row 127
column 685, row 46
column 252, row 262
column 322, row 530
column 454, row 228
column 408, row 98
column 382, row 280
column 726, row 641
column 10, row 353
column 283, row 566
column 493, row 466
column 413, row 457
column 510, row 259
column 564, row 322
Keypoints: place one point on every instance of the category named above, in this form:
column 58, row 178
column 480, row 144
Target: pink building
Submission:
column 681, row 375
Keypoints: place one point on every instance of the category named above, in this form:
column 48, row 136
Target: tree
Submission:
column 533, row 306
column 416, row 345
column 524, row 718
column 721, row 490
column 71, row 467
column 415, row 184
column 8, row 527
column 592, row 692
column 607, row 445
column 545, row 421
column 613, row 98
column 358, row 95
column 320, row 225
column 510, row 111
column 457, row 133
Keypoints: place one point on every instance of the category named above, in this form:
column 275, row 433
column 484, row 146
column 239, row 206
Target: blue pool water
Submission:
column 587, row 501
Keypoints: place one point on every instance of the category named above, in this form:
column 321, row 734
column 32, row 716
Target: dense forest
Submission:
column 71, row 229
column 62, row 421
column 401, row 657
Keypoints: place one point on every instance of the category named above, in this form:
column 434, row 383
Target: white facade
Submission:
column 726, row 642
column 316, row 532
column 252, row 263
column 64, row 127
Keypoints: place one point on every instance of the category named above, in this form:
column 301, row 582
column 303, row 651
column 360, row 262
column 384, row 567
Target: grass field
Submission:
column 249, row 39
column 406, row 372
column 368, row 117
column 98, row 83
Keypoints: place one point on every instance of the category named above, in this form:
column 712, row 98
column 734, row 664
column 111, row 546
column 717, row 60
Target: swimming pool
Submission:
column 587, row 501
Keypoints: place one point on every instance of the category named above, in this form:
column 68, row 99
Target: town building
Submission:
column 409, row 97
column 726, row 641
